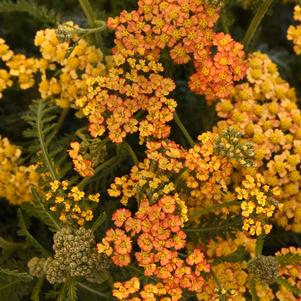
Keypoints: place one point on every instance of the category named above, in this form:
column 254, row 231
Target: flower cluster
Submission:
column 264, row 110
column 132, row 97
column 257, row 204
column 65, row 66
column 229, row 144
column 70, row 203
column 185, row 28
column 294, row 32
column 17, row 65
column 16, row 180
column 86, row 155
column 74, row 256
column 291, row 272
column 157, row 229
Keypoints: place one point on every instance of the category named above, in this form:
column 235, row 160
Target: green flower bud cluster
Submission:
column 75, row 255
column 263, row 269
column 229, row 144
column 64, row 33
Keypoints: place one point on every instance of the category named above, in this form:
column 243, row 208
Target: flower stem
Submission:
column 89, row 13
column 183, row 129
column 262, row 10
column 91, row 290
column 259, row 244
column 218, row 284
column 98, row 169
column 200, row 212
column 131, row 153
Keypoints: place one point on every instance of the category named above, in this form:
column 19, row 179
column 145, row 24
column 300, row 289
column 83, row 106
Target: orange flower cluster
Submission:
column 157, row 231
column 264, row 110
column 132, row 97
column 199, row 174
column 83, row 166
column 86, row 155
column 185, row 28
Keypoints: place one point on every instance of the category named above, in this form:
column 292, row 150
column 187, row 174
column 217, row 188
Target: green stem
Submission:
column 285, row 283
column 262, row 10
column 89, row 13
column 43, row 146
column 11, row 245
column 218, row 284
column 259, row 244
column 60, row 122
column 98, row 169
column 183, row 129
column 91, row 290
column 131, row 153
column 253, row 290
column 201, row 212
column 139, row 271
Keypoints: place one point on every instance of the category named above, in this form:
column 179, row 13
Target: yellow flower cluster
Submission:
column 264, row 110
column 257, row 204
column 294, row 32
column 17, row 65
column 70, row 202
column 65, row 66
column 16, row 180
column 70, row 72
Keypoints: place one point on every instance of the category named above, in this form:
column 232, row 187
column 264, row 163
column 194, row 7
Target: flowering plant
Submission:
column 150, row 150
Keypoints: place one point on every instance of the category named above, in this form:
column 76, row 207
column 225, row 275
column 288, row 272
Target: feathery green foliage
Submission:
column 38, row 210
column 39, row 12
column 13, row 284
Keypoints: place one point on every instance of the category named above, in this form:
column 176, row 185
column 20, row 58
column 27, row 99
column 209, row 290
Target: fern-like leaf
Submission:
column 38, row 210
column 213, row 226
column 71, row 290
column 293, row 289
column 13, row 284
column 46, row 147
column 289, row 258
column 39, row 12
column 23, row 231
column 40, row 117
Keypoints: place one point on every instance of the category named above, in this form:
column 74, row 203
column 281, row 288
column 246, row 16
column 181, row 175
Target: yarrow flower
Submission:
column 16, row 180
column 132, row 97
column 70, row 203
column 157, row 229
column 185, row 28
column 257, row 204
column 264, row 110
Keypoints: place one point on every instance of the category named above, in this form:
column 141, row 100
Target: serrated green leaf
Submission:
column 23, row 231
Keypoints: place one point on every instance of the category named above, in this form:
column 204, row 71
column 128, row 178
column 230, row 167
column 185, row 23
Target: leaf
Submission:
column 237, row 256
column 211, row 226
column 23, row 231
column 289, row 258
column 293, row 289
column 35, row 295
column 99, row 221
column 39, row 12
column 20, row 276
column 38, row 210
column 14, row 285
column 71, row 290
